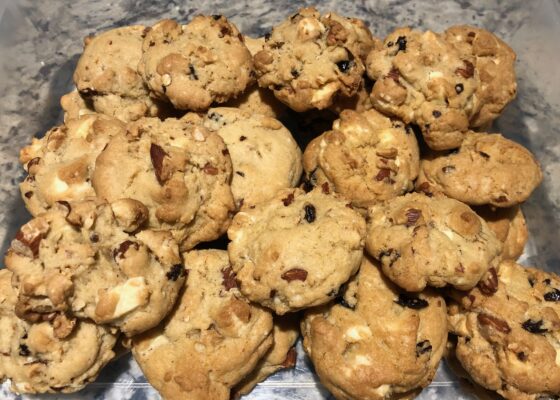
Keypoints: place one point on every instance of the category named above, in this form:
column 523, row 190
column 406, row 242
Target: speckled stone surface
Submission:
column 40, row 42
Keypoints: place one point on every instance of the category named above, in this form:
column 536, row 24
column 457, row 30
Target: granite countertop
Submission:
column 40, row 43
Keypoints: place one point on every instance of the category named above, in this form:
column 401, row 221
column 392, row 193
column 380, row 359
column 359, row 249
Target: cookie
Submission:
column 366, row 157
column 59, row 165
column 486, row 169
column 378, row 342
column 94, row 261
column 211, row 341
column 440, row 81
column 178, row 169
column 75, row 106
column 265, row 156
column 106, row 74
column 295, row 250
column 508, row 338
column 422, row 241
column 255, row 99
column 196, row 64
column 281, row 355
column 509, row 226
column 310, row 58
column 51, row 356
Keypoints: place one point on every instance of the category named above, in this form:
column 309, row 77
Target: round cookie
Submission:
column 265, row 156
column 211, row 341
column 52, row 356
column 196, row 64
column 509, row 340
column 309, row 59
column 486, row 169
column 60, row 164
column 433, row 241
column 95, row 262
column 106, row 74
column 508, row 224
column 75, row 106
column 440, row 83
column 281, row 355
column 379, row 342
column 366, row 157
column 178, row 169
column 295, row 250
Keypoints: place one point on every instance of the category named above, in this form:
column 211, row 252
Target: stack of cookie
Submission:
column 398, row 224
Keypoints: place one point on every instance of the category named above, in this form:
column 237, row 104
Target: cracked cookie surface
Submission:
column 295, row 250
column 444, row 83
column 264, row 155
column 213, row 338
column 431, row 241
column 56, row 355
column 196, row 64
column 509, row 340
column 366, row 158
column 310, row 58
column 94, row 261
column 377, row 342
column 486, row 169
column 178, row 169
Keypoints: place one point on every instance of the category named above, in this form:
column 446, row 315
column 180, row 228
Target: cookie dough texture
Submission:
column 295, row 250
column 486, row 169
column 281, row 355
column 509, row 226
column 75, row 106
column 93, row 261
column 366, row 157
column 211, row 341
column 107, row 74
column 37, row 360
column 444, row 83
column 265, row 156
column 196, row 64
column 59, row 166
column 431, row 241
column 309, row 59
column 509, row 341
column 379, row 342
column 178, row 169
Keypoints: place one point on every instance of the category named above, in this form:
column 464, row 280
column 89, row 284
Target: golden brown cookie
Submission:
column 211, row 341
column 378, row 342
column 509, row 336
column 366, row 157
column 431, row 241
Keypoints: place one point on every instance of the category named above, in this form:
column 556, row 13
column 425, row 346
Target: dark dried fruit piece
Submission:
column 192, row 73
column 401, row 42
column 521, row 356
column 498, row 324
column 157, row 154
column 325, row 188
column 241, row 174
column 175, row 272
column 534, row 326
column 484, row 155
column 411, row 301
column 344, row 65
column 436, row 113
column 344, row 303
column 288, row 199
column 229, row 278
column 552, row 296
column 120, row 251
column 501, row 199
column 489, row 285
column 467, row 72
column 291, row 357
column 412, row 216
column 294, row 72
column 24, row 350
column 242, row 138
column 459, row 88
column 295, row 274
column 310, row 213
column 423, row 347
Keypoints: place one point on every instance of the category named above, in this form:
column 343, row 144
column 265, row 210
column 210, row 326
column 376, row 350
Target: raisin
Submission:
column 547, row 281
column 411, row 301
column 294, row 72
column 484, row 155
column 240, row 173
column 28, row 194
column 288, row 200
column 423, row 347
column 229, row 278
column 521, row 356
column 175, row 272
column 344, row 303
column 344, row 65
column 290, row 360
column 24, row 350
column 401, row 42
column 467, row 72
column 310, row 213
column 120, row 251
column 459, row 88
column 214, row 116
column 94, row 237
column 225, row 152
column 436, row 113
column 157, row 154
column 489, row 285
column 325, row 188
column 192, row 73
column 552, row 296
column 295, row 274
column 242, row 138
column 534, row 326
column 412, row 216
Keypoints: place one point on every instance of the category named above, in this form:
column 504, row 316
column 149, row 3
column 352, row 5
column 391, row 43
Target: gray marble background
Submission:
column 40, row 42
